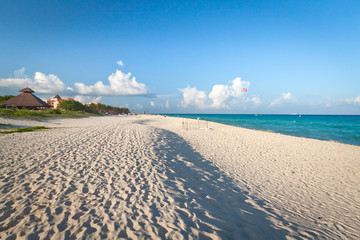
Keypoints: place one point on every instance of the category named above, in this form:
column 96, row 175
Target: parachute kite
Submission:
column 244, row 90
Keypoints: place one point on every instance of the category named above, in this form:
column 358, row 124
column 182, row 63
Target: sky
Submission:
column 186, row 56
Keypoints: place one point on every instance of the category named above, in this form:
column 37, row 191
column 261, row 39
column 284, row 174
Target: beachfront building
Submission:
column 54, row 102
column 26, row 99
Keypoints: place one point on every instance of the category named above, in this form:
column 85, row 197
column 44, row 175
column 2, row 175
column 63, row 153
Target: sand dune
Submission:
column 116, row 177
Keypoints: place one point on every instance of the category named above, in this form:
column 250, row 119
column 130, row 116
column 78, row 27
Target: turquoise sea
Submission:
column 339, row 128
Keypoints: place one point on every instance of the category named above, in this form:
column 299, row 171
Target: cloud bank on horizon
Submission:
column 120, row 84
column 221, row 96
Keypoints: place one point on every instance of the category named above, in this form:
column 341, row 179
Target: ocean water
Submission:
column 339, row 128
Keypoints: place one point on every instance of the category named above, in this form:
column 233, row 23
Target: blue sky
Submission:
column 186, row 56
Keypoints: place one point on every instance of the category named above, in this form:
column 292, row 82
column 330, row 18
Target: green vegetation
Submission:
column 106, row 109
column 5, row 98
column 75, row 114
column 27, row 129
column 53, row 111
column 21, row 113
column 66, row 109
column 72, row 105
column 5, row 112
column 41, row 114
column 26, row 112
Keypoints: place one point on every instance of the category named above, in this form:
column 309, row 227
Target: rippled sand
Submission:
column 147, row 178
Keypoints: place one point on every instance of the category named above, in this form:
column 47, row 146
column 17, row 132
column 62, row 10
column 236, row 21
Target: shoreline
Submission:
column 48, row 121
column 154, row 175
column 230, row 122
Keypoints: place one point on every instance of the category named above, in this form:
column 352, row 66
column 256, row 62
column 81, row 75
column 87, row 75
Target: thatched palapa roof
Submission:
column 26, row 99
column 57, row 97
column 26, row 90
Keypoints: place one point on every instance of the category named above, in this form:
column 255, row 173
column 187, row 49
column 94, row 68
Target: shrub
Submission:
column 107, row 109
column 71, row 105
column 27, row 129
column 53, row 111
column 22, row 113
column 26, row 113
column 6, row 112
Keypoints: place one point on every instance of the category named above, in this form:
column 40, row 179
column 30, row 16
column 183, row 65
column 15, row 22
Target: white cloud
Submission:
column 221, row 96
column 15, row 82
column 20, row 80
column 192, row 96
column 119, row 84
column 285, row 98
column 40, row 83
column 167, row 104
column 20, row 73
column 171, row 95
column 139, row 106
column 255, row 100
column 120, row 63
column 47, row 83
column 87, row 99
column 152, row 104
column 355, row 101
column 338, row 102
column 238, row 86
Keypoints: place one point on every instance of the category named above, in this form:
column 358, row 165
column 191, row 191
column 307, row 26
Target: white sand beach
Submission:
column 147, row 178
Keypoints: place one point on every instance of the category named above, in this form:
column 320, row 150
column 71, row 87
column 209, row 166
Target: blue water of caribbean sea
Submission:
column 338, row 128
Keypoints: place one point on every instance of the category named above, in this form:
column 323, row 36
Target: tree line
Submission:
column 5, row 98
column 73, row 105
column 107, row 109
